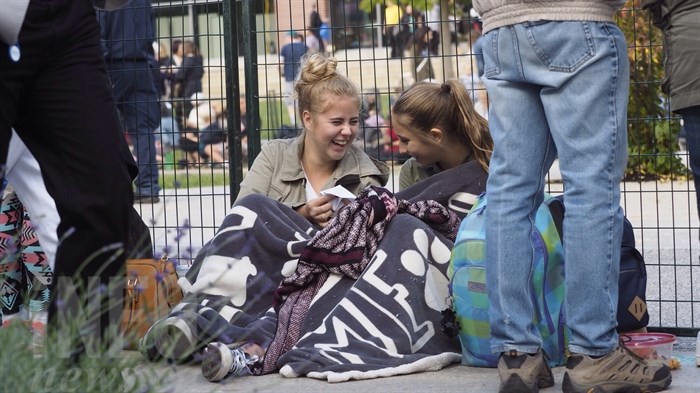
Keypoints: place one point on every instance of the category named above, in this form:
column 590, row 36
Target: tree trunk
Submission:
column 446, row 49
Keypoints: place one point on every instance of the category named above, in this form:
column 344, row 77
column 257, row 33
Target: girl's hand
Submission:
column 319, row 211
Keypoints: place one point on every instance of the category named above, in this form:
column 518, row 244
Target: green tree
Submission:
column 446, row 50
column 652, row 131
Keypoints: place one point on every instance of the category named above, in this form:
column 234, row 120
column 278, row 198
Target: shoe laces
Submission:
column 630, row 352
column 242, row 360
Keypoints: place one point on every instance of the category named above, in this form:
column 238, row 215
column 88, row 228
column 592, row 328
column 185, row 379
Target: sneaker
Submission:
column 219, row 360
column 148, row 199
column 523, row 372
column 619, row 371
column 175, row 339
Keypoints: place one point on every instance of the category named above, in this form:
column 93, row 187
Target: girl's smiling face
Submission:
column 425, row 149
column 331, row 132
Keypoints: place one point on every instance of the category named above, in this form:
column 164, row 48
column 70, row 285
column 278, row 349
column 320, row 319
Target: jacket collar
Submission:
column 292, row 169
column 354, row 165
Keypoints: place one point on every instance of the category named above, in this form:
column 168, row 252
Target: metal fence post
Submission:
column 250, row 67
column 232, row 92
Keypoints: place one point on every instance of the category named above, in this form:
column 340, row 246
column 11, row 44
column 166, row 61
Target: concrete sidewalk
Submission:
column 455, row 378
column 666, row 224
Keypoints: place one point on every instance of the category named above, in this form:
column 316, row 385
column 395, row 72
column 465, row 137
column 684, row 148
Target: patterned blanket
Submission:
column 386, row 321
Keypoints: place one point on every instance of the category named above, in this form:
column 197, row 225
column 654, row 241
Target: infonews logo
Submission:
column 76, row 379
column 89, row 319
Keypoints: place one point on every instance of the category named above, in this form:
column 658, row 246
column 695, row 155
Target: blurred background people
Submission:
column 127, row 45
column 290, row 60
column 188, row 78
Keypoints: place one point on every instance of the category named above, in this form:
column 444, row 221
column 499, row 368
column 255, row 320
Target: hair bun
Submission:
column 317, row 67
column 446, row 88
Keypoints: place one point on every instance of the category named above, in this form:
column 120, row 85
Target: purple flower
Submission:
column 186, row 224
column 167, row 250
column 189, row 251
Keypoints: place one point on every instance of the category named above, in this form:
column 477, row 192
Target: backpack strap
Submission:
column 556, row 209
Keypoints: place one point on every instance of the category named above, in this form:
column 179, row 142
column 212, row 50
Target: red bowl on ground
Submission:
column 650, row 345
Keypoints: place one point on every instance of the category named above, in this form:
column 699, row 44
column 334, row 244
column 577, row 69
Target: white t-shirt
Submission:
column 312, row 43
column 310, row 192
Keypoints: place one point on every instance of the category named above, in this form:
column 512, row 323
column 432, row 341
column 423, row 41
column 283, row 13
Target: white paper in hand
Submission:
column 340, row 193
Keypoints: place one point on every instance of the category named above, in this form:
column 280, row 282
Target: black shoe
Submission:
column 146, row 199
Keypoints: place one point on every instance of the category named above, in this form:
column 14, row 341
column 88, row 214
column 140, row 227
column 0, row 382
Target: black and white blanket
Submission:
column 384, row 322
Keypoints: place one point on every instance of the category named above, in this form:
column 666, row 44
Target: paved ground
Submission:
column 456, row 378
column 666, row 228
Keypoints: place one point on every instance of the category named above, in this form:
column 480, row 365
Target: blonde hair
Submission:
column 448, row 107
column 318, row 79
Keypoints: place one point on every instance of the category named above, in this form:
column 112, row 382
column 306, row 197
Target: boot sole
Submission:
column 176, row 342
column 216, row 357
column 568, row 386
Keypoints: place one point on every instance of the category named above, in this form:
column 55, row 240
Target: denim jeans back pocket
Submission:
column 492, row 65
column 561, row 46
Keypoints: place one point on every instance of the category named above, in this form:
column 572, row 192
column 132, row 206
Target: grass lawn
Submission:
column 194, row 178
column 273, row 114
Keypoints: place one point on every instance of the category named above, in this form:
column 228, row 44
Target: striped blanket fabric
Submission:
column 383, row 321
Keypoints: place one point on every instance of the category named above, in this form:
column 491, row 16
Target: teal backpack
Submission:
column 467, row 274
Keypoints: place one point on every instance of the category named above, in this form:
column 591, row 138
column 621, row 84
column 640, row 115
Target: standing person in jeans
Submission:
column 290, row 63
column 127, row 45
column 55, row 92
column 557, row 75
column 679, row 21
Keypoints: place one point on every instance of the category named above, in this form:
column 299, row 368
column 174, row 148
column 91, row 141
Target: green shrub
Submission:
column 652, row 131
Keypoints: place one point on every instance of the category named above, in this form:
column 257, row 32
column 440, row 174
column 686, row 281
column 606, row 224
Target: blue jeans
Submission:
column 556, row 87
column 691, row 124
column 169, row 132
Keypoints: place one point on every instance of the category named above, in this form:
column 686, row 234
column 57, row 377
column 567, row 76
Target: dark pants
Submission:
column 137, row 99
column 392, row 40
column 691, row 124
column 58, row 99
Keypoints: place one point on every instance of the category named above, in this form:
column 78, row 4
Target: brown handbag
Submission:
column 151, row 292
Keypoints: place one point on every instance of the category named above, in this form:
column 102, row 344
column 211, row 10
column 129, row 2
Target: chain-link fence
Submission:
column 209, row 136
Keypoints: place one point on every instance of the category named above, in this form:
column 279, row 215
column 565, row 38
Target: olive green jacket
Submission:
column 679, row 20
column 277, row 172
column 412, row 173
